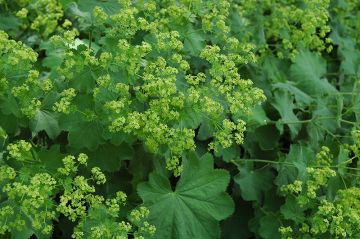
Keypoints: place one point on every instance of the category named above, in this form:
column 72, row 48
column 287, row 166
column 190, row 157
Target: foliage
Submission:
column 179, row 119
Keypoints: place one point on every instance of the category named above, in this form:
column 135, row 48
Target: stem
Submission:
column 6, row 6
column 90, row 39
column 348, row 122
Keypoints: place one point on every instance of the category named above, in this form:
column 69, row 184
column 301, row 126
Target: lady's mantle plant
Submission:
column 127, row 119
column 140, row 76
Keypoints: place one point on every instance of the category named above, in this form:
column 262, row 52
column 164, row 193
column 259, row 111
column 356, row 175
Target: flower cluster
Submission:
column 289, row 25
column 229, row 134
column 6, row 172
column 40, row 15
column 152, row 90
column 339, row 218
column 334, row 217
column 173, row 164
column 317, row 177
column 347, row 18
column 15, row 57
column 21, row 151
column 29, row 200
column 30, row 194
column 64, row 105
column 102, row 221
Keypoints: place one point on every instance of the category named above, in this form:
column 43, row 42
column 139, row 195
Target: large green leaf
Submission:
column 257, row 116
column 196, row 205
column 307, row 72
column 229, row 153
column 190, row 118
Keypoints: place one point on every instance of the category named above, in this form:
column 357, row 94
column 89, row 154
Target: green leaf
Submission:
column 269, row 226
column 342, row 160
column 65, row 3
column 236, row 227
column 84, row 17
column 294, row 165
column 196, row 205
column 54, row 55
column 307, row 70
column 205, row 131
column 190, row 118
column 274, row 69
column 253, row 182
column 140, row 165
column 3, row 138
column 25, row 233
column 9, row 123
column 301, row 97
column 84, row 126
column 267, row 136
column 229, row 153
column 348, row 53
column 194, row 41
column 83, row 133
column 85, row 81
column 283, row 102
column 9, row 105
column 51, row 158
column 9, row 23
column 109, row 6
column 258, row 116
column 108, row 157
column 292, row 211
column 45, row 120
column 325, row 115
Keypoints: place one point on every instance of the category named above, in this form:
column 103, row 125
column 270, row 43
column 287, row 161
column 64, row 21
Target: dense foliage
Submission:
column 180, row 119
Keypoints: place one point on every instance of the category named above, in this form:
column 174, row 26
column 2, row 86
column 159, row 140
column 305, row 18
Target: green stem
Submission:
column 90, row 39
